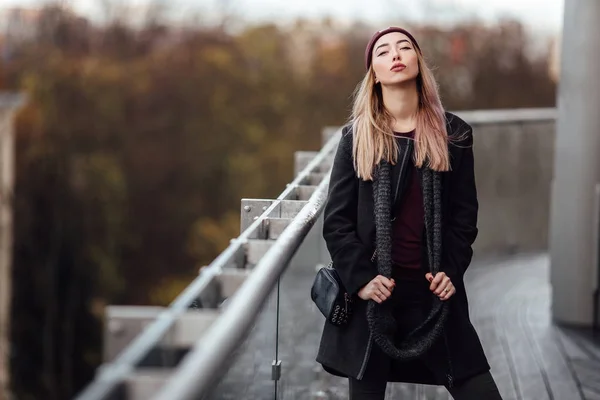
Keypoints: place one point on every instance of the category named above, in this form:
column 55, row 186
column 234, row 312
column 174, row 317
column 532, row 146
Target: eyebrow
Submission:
column 387, row 44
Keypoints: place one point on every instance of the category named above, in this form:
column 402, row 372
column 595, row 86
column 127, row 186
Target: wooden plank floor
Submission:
column 531, row 358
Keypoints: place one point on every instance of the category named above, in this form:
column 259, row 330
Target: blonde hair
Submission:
column 372, row 125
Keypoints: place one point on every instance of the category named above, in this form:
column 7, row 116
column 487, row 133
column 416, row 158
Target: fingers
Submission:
column 446, row 295
column 378, row 297
column 377, row 294
column 381, row 288
column 435, row 280
column 443, row 284
column 388, row 283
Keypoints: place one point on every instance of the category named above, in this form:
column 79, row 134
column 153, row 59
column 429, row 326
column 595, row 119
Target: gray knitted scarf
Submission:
column 380, row 317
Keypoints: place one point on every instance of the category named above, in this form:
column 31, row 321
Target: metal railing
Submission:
column 200, row 369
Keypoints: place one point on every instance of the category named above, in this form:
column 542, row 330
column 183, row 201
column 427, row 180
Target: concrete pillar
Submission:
column 8, row 104
column 574, row 213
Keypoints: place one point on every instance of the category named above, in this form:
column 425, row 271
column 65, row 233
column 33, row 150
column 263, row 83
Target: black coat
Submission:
column 349, row 232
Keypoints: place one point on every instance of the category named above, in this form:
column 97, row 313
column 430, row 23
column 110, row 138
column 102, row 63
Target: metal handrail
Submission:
column 113, row 374
column 200, row 369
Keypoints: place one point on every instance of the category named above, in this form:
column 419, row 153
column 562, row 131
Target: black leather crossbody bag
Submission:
column 330, row 296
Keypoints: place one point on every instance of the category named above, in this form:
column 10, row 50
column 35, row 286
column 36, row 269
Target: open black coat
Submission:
column 349, row 231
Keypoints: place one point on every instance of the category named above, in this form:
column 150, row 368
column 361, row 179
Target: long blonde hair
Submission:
column 372, row 125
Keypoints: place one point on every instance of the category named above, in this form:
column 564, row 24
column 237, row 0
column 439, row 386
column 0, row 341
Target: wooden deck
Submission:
column 531, row 358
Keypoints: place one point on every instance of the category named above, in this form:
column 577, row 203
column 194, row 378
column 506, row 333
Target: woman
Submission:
column 399, row 223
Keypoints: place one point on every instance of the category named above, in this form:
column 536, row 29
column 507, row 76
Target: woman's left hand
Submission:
column 441, row 285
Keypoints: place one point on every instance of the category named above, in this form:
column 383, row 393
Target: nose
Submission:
column 395, row 54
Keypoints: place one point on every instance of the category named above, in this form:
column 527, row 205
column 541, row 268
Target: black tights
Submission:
column 475, row 388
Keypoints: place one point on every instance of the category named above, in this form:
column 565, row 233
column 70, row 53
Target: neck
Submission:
column 402, row 102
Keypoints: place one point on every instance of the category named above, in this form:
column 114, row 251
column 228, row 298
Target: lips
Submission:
column 397, row 67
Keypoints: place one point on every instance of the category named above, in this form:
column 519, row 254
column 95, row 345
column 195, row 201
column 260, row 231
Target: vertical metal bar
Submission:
column 596, row 271
column 276, row 361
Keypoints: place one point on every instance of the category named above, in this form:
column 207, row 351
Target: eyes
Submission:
column 384, row 52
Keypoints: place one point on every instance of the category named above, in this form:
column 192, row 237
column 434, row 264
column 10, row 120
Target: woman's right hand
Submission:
column 379, row 289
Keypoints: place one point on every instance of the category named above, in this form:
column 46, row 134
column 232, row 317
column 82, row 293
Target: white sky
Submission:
column 540, row 14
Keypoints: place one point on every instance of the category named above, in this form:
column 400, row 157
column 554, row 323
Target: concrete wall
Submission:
column 514, row 153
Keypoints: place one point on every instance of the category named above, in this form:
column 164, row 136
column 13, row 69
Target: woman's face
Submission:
column 394, row 59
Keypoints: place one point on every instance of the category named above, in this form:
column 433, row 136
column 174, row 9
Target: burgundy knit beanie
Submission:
column 378, row 34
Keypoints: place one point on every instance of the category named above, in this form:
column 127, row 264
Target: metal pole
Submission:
column 573, row 249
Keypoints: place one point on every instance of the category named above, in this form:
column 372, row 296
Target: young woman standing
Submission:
column 399, row 224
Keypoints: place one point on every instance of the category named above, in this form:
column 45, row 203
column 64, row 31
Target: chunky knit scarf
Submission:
column 380, row 318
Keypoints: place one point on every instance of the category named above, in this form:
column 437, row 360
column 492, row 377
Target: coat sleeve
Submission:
column 350, row 256
column 461, row 222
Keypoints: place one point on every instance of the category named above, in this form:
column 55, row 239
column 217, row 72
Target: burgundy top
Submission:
column 407, row 228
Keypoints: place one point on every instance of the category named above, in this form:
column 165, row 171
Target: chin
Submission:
column 400, row 81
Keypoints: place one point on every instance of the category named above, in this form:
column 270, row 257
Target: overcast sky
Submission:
column 542, row 14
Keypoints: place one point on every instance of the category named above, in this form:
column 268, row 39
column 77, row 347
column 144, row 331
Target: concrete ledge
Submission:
column 508, row 116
